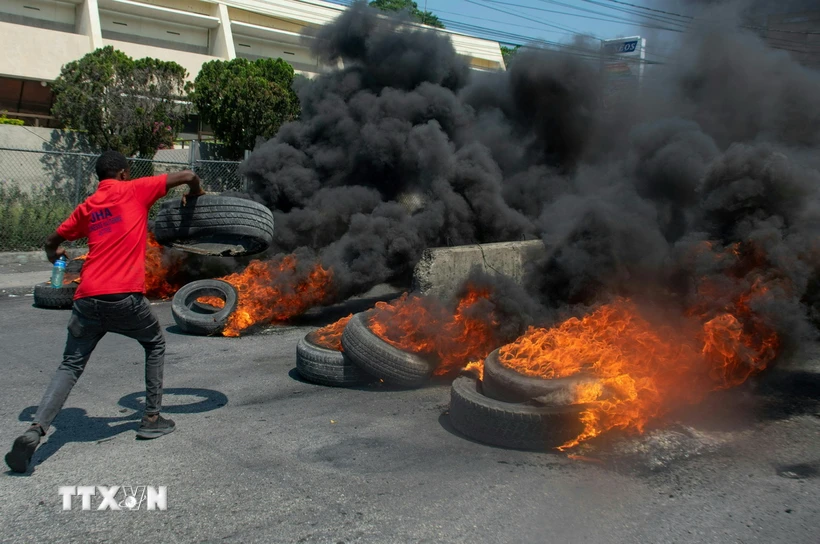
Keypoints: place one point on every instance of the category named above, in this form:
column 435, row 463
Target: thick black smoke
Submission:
column 710, row 170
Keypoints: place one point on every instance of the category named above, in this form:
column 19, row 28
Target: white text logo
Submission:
column 116, row 497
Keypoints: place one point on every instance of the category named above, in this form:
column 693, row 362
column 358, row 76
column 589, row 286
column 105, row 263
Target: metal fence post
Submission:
column 194, row 155
column 78, row 180
column 246, row 186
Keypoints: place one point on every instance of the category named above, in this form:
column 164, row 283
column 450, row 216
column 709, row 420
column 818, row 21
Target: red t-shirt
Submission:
column 115, row 220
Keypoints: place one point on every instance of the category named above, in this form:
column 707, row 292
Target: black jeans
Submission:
column 90, row 320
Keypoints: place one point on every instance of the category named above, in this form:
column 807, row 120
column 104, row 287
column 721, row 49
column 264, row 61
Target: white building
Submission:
column 38, row 37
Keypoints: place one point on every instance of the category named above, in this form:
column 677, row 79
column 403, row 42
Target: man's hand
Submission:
column 192, row 194
column 186, row 177
column 52, row 247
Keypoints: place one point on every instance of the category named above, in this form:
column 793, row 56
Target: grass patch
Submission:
column 26, row 219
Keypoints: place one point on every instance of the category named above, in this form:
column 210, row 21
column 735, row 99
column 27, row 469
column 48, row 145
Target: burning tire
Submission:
column 507, row 385
column 215, row 225
column 378, row 358
column 45, row 296
column 327, row 366
column 201, row 320
column 508, row 425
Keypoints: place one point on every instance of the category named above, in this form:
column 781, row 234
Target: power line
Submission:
column 648, row 9
column 520, row 39
column 635, row 13
column 605, row 18
column 568, row 31
column 518, row 15
column 750, row 27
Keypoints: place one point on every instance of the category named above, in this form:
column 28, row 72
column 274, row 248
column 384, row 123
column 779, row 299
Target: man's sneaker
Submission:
column 156, row 428
column 22, row 450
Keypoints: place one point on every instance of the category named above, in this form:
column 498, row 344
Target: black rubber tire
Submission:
column 380, row 359
column 507, row 385
column 74, row 266
column 203, row 323
column 325, row 366
column 45, row 296
column 517, row 426
column 215, row 225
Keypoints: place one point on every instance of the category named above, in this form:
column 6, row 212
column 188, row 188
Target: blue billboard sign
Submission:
column 629, row 46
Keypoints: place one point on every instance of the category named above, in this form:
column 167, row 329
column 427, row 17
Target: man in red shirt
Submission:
column 110, row 295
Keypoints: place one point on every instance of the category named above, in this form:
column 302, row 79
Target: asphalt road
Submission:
column 260, row 456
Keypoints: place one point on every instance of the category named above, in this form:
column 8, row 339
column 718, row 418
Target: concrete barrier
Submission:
column 442, row 270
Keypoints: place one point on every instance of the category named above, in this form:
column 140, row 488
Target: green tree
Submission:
column 243, row 100
column 131, row 106
column 509, row 53
column 424, row 17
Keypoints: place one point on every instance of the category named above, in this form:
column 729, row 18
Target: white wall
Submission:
column 31, row 52
column 254, row 47
column 36, row 53
column 143, row 30
column 190, row 61
column 52, row 12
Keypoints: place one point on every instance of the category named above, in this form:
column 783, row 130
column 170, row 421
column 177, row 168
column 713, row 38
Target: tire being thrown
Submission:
column 326, row 366
column 381, row 360
column 507, row 385
column 199, row 320
column 517, row 426
column 215, row 225
column 62, row 298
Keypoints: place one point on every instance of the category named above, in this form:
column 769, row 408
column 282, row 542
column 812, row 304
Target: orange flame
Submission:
column 477, row 367
column 643, row 369
column 423, row 325
column 158, row 272
column 275, row 290
column 216, row 302
column 330, row 336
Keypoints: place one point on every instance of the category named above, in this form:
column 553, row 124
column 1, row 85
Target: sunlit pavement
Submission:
column 260, row 456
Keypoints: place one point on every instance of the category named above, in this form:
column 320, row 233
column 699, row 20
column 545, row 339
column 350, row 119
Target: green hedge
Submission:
column 6, row 121
column 26, row 219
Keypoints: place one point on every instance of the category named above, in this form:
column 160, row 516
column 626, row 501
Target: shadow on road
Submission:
column 211, row 400
column 75, row 425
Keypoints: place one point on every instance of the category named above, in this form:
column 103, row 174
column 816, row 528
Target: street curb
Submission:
column 17, row 291
column 22, row 257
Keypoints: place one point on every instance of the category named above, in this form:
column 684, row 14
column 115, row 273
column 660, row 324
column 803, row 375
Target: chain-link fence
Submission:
column 39, row 189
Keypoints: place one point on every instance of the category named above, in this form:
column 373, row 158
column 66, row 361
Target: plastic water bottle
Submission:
column 58, row 272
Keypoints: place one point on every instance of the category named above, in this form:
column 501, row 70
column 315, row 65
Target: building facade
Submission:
column 39, row 36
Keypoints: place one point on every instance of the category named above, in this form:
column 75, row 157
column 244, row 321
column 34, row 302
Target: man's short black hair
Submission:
column 110, row 163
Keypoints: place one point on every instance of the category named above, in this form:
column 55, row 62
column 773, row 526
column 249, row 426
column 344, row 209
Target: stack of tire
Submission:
column 364, row 358
column 215, row 225
column 511, row 410
column 504, row 408
column 61, row 298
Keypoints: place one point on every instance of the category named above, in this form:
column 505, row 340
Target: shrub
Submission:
column 26, row 219
column 6, row 121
